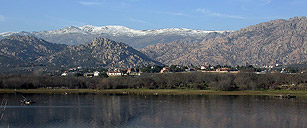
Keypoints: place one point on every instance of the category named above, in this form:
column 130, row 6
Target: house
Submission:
column 115, row 73
column 88, row 74
column 96, row 73
column 203, row 67
column 223, row 69
column 133, row 72
column 262, row 72
column 190, row 68
column 72, row 69
column 64, row 74
column 164, row 70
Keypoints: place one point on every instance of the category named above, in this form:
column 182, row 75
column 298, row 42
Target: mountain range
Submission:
column 136, row 38
column 29, row 51
column 100, row 52
column 25, row 50
column 277, row 41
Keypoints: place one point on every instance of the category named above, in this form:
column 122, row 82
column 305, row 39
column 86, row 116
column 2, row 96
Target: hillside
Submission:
column 19, row 54
column 301, row 66
column 278, row 41
column 24, row 50
column 135, row 38
column 100, row 52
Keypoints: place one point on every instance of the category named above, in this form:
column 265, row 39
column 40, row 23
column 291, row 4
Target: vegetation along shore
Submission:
column 169, row 83
column 154, row 92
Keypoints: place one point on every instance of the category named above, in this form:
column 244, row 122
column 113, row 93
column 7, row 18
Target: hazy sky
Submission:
column 37, row 15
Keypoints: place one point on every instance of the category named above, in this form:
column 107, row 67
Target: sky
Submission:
column 39, row 15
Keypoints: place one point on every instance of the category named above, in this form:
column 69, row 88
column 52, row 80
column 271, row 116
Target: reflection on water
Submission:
column 154, row 111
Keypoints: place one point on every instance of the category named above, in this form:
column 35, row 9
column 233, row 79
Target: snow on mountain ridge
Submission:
column 67, row 30
column 115, row 30
column 6, row 33
column 112, row 30
column 121, row 30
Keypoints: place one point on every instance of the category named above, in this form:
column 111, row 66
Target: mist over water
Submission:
column 153, row 111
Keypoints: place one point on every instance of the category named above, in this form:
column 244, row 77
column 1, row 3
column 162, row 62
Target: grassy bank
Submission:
column 154, row 92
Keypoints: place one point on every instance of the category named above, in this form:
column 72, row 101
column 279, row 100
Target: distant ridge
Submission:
column 136, row 38
column 277, row 41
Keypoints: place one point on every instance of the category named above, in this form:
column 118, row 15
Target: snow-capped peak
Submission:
column 122, row 30
column 4, row 34
column 67, row 30
column 114, row 30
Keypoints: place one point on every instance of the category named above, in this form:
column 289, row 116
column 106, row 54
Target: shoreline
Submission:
column 153, row 92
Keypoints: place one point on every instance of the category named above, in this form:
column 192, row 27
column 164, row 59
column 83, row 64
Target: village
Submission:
column 111, row 72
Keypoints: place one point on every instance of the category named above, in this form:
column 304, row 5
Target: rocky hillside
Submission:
column 19, row 52
column 24, row 50
column 135, row 38
column 302, row 65
column 278, row 41
column 100, row 52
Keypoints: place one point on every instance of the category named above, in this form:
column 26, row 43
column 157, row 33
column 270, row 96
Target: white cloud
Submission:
column 203, row 10
column 256, row 2
column 91, row 3
column 207, row 12
column 269, row 18
column 2, row 18
column 173, row 13
column 137, row 21
column 176, row 14
column 266, row 2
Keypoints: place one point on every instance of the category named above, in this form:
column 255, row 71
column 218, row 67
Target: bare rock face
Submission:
column 101, row 52
column 28, row 51
column 23, row 50
column 278, row 41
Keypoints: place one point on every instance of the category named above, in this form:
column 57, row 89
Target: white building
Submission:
column 203, row 67
column 115, row 74
column 96, row 73
column 64, row 74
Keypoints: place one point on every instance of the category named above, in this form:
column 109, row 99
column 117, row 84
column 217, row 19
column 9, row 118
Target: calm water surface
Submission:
column 153, row 111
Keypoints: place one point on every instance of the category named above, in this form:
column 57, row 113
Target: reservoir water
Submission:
column 169, row 111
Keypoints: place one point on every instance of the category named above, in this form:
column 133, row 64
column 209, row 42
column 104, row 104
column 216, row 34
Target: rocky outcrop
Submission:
column 23, row 50
column 100, row 52
column 28, row 51
column 278, row 41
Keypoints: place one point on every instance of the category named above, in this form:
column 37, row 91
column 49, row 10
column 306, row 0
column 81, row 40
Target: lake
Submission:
column 170, row 111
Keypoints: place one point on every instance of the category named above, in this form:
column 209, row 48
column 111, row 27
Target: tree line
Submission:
column 190, row 80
